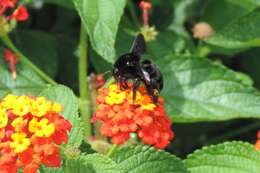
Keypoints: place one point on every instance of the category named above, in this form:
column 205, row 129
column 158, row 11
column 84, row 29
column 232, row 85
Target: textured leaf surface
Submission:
column 198, row 90
column 101, row 19
column 66, row 97
column 230, row 157
column 94, row 163
column 27, row 81
column 242, row 33
column 145, row 159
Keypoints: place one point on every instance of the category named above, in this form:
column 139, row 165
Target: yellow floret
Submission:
column 19, row 123
column 56, row 107
column 149, row 106
column 115, row 98
column 40, row 107
column 3, row 118
column 43, row 128
column 20, row 142
column 8, row 101
column 22, row 106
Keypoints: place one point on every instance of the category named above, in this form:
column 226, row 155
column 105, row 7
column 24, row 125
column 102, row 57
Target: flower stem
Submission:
column 112, row 150
column 83, row 82
column 8, row 42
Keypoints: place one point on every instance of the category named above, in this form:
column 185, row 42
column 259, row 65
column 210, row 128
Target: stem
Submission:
column 112, row 150
column 131, row 8
column 234, row 133
column 8, row 42
column 83, row 82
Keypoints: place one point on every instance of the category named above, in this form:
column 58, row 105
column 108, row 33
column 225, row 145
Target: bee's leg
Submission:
column 154, row 93
column 122, row 83
column 135, row 87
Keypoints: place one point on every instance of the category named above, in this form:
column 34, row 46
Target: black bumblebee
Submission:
column 130, row 66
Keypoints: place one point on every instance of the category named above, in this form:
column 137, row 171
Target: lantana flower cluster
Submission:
column 121, row 115
column 31, row 130
column 18, row 13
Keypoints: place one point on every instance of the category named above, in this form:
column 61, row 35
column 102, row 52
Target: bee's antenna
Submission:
column 106, row 72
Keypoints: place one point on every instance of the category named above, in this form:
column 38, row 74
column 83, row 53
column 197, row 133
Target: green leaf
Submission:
column 93, row 163
column 40, row 48
column 239, row 34
column 196, row 89
column 145, row 159
column 230, row 11
column 167, row 43
column 66, row 97
column 27, row 82
column 63, row 3
column 181, row 14
column 250, row 63
column 101, row 19
column 229, row 157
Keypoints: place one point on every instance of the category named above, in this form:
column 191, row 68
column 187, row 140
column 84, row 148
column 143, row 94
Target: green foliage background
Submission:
column 211, row 86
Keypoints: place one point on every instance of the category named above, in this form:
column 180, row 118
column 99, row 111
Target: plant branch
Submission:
column 8, row 42
column 112, row 150
column 83, row 82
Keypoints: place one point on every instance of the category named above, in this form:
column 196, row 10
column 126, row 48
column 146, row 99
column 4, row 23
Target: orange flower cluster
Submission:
column 31, row 130
column 121, row 116
column 12, row 60
column 257, row 144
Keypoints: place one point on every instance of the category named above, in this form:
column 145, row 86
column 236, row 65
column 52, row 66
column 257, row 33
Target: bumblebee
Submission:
column 130, row 66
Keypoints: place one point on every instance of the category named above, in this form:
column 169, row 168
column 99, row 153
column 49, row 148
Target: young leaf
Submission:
column 140, row 158
column 242, row 33
column 66, row 97
column 93, row 163
column 101, row 19
column 229, row 157
column 27, row 82
column 196, row 89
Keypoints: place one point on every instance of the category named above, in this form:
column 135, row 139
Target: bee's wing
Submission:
column 139, row 46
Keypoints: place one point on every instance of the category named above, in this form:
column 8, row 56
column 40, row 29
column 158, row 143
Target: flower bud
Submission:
column 202, row 30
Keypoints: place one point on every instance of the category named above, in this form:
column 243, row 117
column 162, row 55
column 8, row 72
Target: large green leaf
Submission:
column 230, row 10
column 242, row 33
column 40, row 48
column 93, row 163
column 230, row 157
column 27, row 82
column 145, row 159
column 66, row 97
column 101, row 19
column 198, row 90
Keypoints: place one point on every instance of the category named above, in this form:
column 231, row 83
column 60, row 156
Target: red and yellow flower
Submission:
column 31, row 130
column 121, row 115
